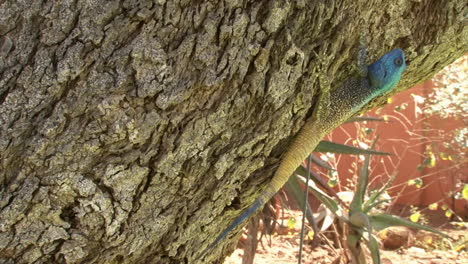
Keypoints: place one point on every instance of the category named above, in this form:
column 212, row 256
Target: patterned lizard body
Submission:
column 377, row 78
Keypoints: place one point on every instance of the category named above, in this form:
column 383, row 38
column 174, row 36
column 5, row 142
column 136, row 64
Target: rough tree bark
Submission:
column 128, row 129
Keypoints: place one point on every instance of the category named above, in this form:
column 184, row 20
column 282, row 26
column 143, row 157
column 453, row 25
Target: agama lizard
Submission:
column 375, row 79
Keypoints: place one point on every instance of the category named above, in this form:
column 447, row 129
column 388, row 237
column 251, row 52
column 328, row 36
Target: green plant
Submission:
column 294, row 189
column 362, row 218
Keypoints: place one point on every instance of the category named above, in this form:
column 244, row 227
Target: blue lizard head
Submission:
column 385, row 73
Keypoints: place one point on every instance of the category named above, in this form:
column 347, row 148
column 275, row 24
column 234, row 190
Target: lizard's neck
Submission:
column 345, row 101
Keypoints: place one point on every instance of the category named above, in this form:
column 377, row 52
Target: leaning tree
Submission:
column 135, row 131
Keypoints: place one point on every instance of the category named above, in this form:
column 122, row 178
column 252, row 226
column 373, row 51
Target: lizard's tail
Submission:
column 264, row 197
column 304, row 143
column 301, row 147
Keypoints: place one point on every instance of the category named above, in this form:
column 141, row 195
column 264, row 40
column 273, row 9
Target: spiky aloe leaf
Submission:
column 327, row 146
column 358, row 217
column 381, row 221
column 372, row 202
column 357, row 253
column 302, row 171
column 323, row 197
column 356, row 204
column 374, row 249
column 366, row 209
column 320, row 162
column 294, row 188
column 371, row 242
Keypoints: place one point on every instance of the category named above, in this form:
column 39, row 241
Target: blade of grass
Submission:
column 304, row 211
column 364, row 118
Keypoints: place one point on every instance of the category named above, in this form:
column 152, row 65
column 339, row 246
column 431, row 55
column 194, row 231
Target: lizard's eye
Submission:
column 398, row 61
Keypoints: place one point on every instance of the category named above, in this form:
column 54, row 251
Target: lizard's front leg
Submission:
column 361, row 63
column 324, row 84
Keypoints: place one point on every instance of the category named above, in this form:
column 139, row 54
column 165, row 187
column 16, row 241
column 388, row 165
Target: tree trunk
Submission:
column 129, row 129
